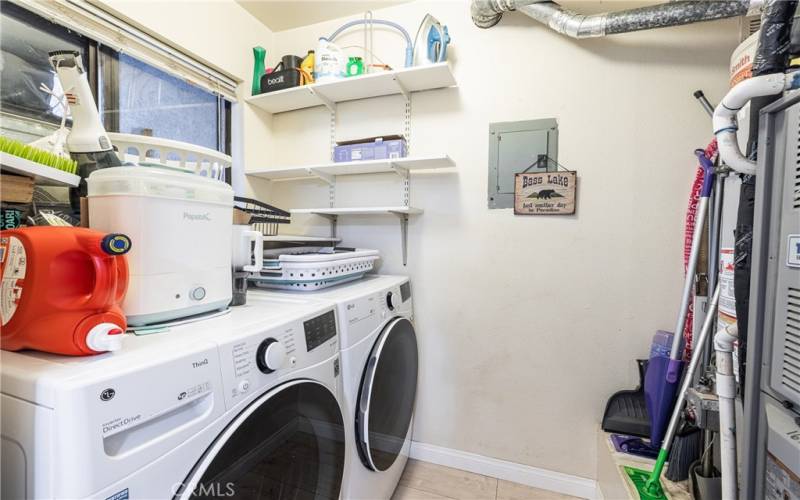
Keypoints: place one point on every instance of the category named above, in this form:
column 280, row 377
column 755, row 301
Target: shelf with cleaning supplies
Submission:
column 42, row 174
column 397, row 82
column 401, row 81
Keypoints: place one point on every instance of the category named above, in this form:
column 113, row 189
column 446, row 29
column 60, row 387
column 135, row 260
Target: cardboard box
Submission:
column 16, row 188
column 372, row 148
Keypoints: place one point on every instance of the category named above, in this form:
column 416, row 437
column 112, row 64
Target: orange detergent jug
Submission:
column 61, row 289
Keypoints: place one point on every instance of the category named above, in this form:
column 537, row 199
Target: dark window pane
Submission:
column 391, row 397
column 143, row 100
column 25, row 41
column 291, row 447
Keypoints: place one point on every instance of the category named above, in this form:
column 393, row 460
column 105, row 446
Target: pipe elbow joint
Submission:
column 484, row 14
column 725, row 338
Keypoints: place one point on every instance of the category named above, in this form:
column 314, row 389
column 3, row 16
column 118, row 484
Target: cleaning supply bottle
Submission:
column 259, row 56
column 355, row 66
column 308, row 67
column 62, row 288
column 329, row 61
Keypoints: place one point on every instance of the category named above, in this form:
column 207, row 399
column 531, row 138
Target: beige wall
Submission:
column 527, row 324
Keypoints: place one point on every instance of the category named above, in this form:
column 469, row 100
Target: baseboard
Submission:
column 501, row 469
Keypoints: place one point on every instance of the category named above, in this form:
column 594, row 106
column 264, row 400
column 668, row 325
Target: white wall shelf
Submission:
column 299, row 238
column 42, row 174
column 402, row 81
column 354, row 168
column 359, row 211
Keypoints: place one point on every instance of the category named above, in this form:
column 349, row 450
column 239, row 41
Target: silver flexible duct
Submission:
column 487, row 13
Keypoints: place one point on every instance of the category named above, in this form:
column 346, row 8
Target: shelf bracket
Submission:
column 404, row 175
column 399, row 170
column 403, row 234
column 327, row 178
column 327, row 102
column 333, row 219
column 403, row 89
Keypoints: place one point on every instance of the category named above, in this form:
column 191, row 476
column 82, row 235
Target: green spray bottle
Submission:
column 259, row 67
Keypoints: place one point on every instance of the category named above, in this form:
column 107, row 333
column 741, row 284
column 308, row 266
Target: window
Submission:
column 134, row 97
column 137, row 98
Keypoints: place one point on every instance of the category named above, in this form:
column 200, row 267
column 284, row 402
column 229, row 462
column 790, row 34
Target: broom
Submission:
column 687, row 449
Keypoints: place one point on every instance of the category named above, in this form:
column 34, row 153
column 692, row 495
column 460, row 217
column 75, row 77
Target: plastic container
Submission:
column 181, row 223
column 308, row 66
column 62, row 288
column 662, row 344
column 329, row 61
column 658, row 393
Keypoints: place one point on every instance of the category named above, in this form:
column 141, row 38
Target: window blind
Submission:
column 108, row 29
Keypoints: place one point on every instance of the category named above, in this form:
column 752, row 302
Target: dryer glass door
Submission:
column 288, row 444
column 386, row 399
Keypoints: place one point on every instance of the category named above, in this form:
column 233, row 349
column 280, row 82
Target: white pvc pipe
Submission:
column 724, row 119
column 726, row 391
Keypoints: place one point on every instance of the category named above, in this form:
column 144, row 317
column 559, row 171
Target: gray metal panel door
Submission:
column 785, row 376
column 513, row 148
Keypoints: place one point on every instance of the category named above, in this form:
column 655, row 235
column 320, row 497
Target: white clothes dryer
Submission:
column 380, row 367
column 240, row 406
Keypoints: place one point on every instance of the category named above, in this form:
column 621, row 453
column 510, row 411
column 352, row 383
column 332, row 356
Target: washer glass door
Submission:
column 288, row 444
column 386, row 399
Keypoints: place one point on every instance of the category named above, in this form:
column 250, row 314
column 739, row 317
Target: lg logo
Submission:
column 108, row 394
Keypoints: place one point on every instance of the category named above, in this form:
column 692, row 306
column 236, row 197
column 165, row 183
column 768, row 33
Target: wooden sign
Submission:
column 547, row 193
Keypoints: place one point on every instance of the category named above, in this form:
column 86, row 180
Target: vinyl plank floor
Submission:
column 426, row 481
column 448, row 482
column 406, row 493
column 506, row 490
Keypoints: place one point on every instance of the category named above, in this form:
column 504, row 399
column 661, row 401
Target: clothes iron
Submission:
column 430, row 44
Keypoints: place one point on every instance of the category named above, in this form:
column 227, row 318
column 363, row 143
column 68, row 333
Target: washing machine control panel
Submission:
column 255, row 362
column 319, row 329
column 364, row 315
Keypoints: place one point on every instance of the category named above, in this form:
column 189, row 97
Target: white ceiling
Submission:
column 280, row 15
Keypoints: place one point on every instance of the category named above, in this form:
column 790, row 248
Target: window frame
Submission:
column 108, row 83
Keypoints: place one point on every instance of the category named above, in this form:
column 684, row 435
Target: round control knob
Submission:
column 198, row 293
column 270, row 355
column 392, row 301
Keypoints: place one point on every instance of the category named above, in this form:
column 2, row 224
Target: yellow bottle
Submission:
column 308, row 67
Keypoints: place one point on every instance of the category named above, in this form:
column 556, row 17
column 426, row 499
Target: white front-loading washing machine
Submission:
column 240, row 406
column 379, row 366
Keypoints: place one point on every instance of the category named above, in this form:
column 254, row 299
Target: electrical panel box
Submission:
column 516, row 147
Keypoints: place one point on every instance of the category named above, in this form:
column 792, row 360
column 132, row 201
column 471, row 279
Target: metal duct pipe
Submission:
column 487, row 13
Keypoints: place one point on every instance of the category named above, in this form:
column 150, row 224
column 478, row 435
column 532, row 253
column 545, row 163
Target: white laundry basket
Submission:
column 314, row 271
column 146, row 150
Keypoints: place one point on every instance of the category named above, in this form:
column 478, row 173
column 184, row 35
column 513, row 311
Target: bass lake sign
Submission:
column 546, row 193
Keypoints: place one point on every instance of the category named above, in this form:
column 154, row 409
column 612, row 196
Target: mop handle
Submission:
column 697, row 354
column 701, row 98
column 674, row 366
